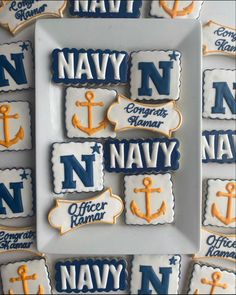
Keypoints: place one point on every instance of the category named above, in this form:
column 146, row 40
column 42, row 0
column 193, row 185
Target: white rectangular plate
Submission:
column 183, row 236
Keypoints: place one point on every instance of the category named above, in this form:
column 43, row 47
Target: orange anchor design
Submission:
column 24, row 278
column 90, row 130
column 149, row 216
column 174, row 11
column 230, row 187
column 216, row 276
column 7, row 142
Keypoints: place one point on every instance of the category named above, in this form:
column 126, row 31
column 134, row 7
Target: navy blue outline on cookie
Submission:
column 224, row 160
column 134, row 169
column 121, row 14
column 84, row 80
column 90, row 261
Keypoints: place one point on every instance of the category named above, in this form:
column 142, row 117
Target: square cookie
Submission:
column 86, row 112
column 155, row 274
column 16, row 193
column 26, row 277
column 207, row 279
column 149, row 199
column 77, row 167
column 219, row 94
column 220, row 204
column 155, row 75
column 15, row 126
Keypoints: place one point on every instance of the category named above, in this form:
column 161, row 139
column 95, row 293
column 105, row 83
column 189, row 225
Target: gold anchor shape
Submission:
column 90, row 130
column 7, row 142
column 230, row 187
column 216, row 276
column 149, row 216
column 24, row 278
column 174, row 11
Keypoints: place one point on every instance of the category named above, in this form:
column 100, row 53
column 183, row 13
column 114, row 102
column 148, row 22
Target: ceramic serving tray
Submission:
column 183, row 236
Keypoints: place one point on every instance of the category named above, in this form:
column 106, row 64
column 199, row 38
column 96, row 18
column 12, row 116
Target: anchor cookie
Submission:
column 105, row 8
column 16, row 193
column 80, row 66
column 219, row 94
column 176, row 9
column 77, row 167
column 206, row 279
column 26, row 277
column 220, row 205
column 155, row 274
column 16, row 66
column 149, row 199
column 15, row 126
column 86, row 112
column 155, row 75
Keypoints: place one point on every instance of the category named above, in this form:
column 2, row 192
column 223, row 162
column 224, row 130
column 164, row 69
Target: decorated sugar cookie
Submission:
column 141, row 155
column 219, row 39
column 220, row 203
column 80, row 66
column 155, row 274
column 155, row 75
column 126, row 114
column 77, row 167
column 91, row 275
column 219, row 94
column 86, row 112
column 68, row 215
column 219, row 146
column 26, row 277
column 16, row 14
column 149, row 199
column 16, row 66
column 105, row 8
column 215, row 245
column 15, row 126
column 16, row 193
column 208, row 279
column 18, row 239
column 176, row 9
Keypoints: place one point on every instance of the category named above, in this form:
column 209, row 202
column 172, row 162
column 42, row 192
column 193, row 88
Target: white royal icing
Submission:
column 102, row 100
column 138, row 199
column 218, row 187
column 157, row 9
column 19, row 127
column 202, row 274
column 168, row 282
column 38, row 284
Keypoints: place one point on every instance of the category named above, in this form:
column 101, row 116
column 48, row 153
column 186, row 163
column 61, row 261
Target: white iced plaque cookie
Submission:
column 68, row 215
column 16, row 14
column 16, row 66
column 220, row 203
column 155, row 75
column 26, row 277
column 219, row 39
column 176, row 9
column 149, row 199
column 16, row 193
column 219, row 94
column 155, row 274
column 86, row 112
column 207, row 279
column 77, row 167
column 15, row 126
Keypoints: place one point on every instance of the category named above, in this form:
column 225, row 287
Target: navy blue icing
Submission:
column 216, row 134
column 121, row 14
column 160, row 166
column 109, row 79
column 91, row 262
